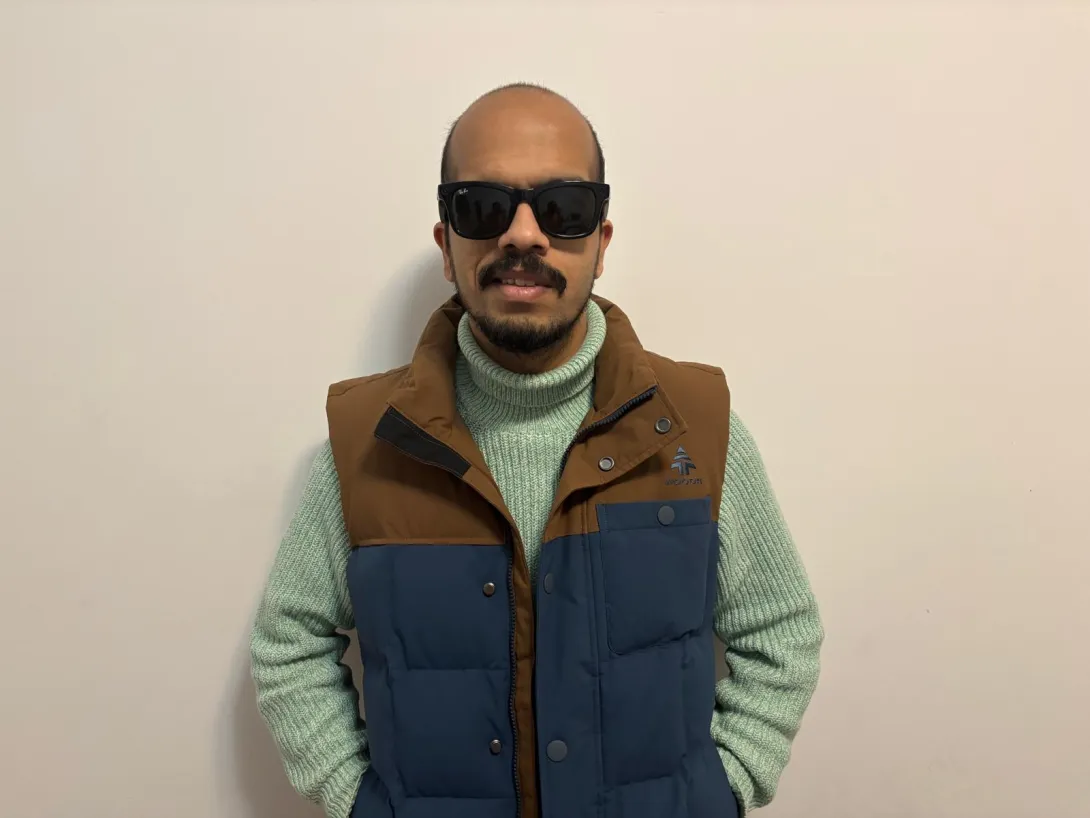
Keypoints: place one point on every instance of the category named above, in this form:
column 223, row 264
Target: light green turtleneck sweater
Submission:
column 765, row 613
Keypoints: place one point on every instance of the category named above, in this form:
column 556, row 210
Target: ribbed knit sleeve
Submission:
column 767, row 618
column 304, row 693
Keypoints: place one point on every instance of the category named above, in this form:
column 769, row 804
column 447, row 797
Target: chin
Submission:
column 524, row 311
column 523, row 319
column 496, row 302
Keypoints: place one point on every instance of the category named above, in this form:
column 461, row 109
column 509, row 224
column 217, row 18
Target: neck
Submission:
column 535, row 362
column 493, row 396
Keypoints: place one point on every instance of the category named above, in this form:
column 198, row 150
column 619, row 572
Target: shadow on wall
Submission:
column 258, row 787
column 255, row 785
column 401, row 310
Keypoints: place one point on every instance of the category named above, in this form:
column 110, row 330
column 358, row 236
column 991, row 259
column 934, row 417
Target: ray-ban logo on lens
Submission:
column 683, row 465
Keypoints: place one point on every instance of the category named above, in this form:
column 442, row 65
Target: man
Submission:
column 535, row 529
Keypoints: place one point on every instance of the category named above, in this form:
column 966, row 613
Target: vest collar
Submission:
column 426, row 394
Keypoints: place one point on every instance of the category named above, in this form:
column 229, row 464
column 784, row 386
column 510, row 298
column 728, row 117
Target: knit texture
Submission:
column 523, row 424
column 765, row 613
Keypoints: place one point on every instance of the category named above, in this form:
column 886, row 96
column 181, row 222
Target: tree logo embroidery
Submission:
column 683, row 464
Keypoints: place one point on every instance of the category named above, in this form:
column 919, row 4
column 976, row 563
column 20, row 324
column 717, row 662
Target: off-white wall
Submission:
column 875, row 216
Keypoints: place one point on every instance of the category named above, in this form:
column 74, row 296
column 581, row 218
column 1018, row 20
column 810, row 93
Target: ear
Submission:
column 605, row 237
column 439, row 233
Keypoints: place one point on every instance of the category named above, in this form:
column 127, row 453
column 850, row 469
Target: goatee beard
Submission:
column 520, row 337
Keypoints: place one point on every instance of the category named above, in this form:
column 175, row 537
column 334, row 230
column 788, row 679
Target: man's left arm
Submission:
column 766, row 616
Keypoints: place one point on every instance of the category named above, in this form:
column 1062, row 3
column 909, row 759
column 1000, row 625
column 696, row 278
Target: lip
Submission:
column 525, row 277
column 512, row 292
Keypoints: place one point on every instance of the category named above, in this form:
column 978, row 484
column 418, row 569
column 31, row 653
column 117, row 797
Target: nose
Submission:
column 525, row 234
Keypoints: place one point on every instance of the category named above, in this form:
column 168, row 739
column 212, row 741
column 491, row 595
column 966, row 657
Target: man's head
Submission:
column 524, row 289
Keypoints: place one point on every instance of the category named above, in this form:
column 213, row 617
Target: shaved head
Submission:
column 525, row 289
column 504, row 107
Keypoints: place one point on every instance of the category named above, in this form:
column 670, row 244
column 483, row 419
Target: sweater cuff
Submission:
column 339, row 793
column 740, row 782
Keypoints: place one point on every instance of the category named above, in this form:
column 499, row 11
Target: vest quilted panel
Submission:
column 625, row 666
column 567, row 676
column 373, row 801
column 435, row 634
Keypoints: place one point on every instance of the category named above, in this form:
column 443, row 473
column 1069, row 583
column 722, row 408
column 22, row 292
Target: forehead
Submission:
column 522, row 138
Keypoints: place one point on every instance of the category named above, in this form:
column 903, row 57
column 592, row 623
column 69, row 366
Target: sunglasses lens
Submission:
column 566, row 211
column 480, row 212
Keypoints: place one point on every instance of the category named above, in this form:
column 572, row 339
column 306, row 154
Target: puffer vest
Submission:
column 587, row 694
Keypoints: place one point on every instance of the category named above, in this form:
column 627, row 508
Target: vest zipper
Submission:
column 514, row 680
column 454, row 470
column 612, row 417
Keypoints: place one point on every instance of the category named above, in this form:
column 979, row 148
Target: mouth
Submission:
column 520, row 278
column 520, row 285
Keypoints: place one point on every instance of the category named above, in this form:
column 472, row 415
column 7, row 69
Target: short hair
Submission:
column 446, row 172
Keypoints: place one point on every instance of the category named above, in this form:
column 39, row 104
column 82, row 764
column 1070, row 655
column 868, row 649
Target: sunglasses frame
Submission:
column 530, row 195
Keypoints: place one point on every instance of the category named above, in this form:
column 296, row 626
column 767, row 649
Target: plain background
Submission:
column 875, row 216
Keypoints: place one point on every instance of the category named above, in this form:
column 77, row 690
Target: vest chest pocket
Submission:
column 656, row 561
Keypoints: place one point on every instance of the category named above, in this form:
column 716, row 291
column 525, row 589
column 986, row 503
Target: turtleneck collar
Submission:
column 499, row 393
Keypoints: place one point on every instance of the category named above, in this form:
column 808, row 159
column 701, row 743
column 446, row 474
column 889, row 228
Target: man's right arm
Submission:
column 304, row 693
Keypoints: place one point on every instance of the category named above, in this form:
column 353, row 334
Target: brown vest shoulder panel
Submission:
column 702, row 395
column 671, row 446
column 387, row 496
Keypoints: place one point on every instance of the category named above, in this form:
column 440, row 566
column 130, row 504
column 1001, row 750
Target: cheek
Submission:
column 468, row 259
column 575, row 264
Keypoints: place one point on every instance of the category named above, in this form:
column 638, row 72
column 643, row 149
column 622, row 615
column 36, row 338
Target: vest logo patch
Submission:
column 683, row 465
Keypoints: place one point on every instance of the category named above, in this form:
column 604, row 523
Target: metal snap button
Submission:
column 489, row 588
column 606, row 464
column 557, row 750
column 547, row 583
column 663, row 425
column 496, row 747
column 666, row 515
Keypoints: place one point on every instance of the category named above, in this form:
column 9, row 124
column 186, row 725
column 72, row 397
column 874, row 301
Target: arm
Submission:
column 767, row 618
column 304, row 692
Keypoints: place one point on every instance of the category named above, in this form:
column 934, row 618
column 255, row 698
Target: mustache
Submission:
column 530, row 263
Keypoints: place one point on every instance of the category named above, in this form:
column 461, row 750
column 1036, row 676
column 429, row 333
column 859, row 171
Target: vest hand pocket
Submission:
column 656, row 558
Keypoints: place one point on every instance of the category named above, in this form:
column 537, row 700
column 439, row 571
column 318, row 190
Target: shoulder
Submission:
column 691, row 369
column 741, row 439
column 321, row 497
column 746, row 476
column 381, row 383
column 361, row 401
column 705, row 383
column 698, row 391
column 353, row 410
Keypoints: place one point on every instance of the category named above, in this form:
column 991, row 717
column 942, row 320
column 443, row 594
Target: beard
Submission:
column 525, row 335
column 521, row 336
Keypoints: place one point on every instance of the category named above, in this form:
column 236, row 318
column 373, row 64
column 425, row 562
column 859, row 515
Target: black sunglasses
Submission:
column 485, row 210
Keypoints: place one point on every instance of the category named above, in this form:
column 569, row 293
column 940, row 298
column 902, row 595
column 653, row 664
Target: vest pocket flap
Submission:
column 656, row 559
column 627, row 516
